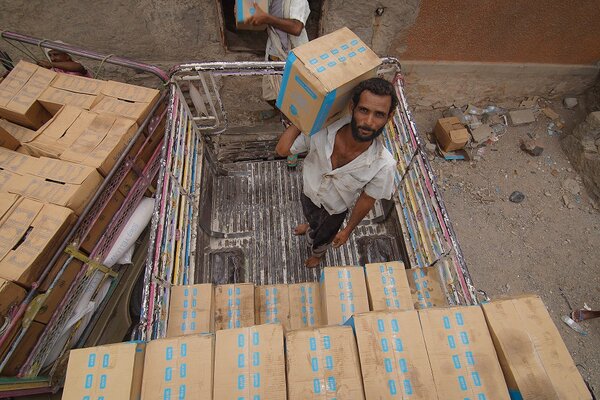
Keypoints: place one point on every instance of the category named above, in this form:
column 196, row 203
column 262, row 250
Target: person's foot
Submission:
column 312, row 262
column 292, row 161
column 301, row 229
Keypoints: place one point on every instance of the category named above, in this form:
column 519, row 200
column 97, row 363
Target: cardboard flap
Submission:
column 7, row 200
column 16, row 223
column 17, row 78
column 58, row 126
column 337, row 58
column 19, row 132
column 131, row 93
column 58, row 170
column 78, row 84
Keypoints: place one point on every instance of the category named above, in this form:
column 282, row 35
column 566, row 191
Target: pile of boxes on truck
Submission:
column 345, row 337
column 60, row 136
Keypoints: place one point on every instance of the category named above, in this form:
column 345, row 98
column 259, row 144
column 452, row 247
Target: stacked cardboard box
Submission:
column 343, row 293
column 426, row 287
column 191, row 310
column 305, row 305
column 70, row 90
column 388, row 286
column 234, row 306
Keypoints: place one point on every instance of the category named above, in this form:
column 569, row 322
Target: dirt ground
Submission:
column 540, row 245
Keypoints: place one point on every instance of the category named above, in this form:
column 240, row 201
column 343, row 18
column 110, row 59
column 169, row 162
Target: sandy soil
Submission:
column 540, row 245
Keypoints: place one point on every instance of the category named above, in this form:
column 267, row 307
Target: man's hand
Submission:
column 260, row 17
column 341, row 237
column 44, row 63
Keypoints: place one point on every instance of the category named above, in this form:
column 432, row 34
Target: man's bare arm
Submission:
column 287, row 140
column 291, row 26
column 363, row 205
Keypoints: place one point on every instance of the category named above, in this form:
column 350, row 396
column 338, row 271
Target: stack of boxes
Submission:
column 60, row 135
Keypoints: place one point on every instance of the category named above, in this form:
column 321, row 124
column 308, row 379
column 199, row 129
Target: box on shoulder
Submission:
column 30, row 232
column 272, row 305
column 461, row 353
column 234, row 306
column 319, row 77
column 323, row 362
column 191, row 310
column 179, row 367
column 535, row 361
column 305, row 305
column 19, row 92
column 388, row 287
column 343, row 293
column 393, row 355
column 244, row 9
column 113, row 371
column 250, row 363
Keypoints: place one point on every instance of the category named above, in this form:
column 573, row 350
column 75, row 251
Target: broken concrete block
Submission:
column 481, row 133
column 521, row 117
column 529, row 102
column 570, row 102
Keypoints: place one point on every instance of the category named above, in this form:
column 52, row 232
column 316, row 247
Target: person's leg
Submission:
column 311, row 214
column 322, row 236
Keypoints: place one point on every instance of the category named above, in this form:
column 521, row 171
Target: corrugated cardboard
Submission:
column 102, row 222
column 426, row 287
column 57, row 182
column 59, row 291
column 58, row 134
column 11, row 295
column 323, row 363
column 305, row 305
column 70, row 90
column 19, row 92
column 393, row 356
column 7, row 140
column 179, row 368
column 451, row 134
column 250, row 363
column 272, row 305
column 387, row 286
column 244, row 9
column 110, row 372
column 191, row 310
column 29, row 234
column 319, row 77
column 19, row 132
column 125, row 100
column 19, row 356
column 234, row 306
column 343, row 293
column 535, row 360
column 461, row 354
column 12, row 161
column 101, row 144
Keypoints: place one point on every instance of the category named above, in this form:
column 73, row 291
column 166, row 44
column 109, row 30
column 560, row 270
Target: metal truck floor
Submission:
column 259, row 202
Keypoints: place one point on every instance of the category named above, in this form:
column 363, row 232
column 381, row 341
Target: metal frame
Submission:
column 124, row 165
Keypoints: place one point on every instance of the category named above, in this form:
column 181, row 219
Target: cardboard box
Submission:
column 56, row 182
column 319, row 77
column 19, row 132
column 191, row 310
column 29, row 234
column 110, row 372
column 19, row 92
column 272, row 305
column 343, row 293
column 426, row 287
column 535, row 360
column 70, row 90
column 234, row 306
column 19, row 356
column 11, row 295
column 179, row 368
column 323, row 363
column 244, row 9
column 102, row 222
column 101, row 144
column 387, row 286
column 125, row 100
column 7, row 140
column 451, row 134
column 58, row 134
column 13, row 161
column 393, row 356
column 250, row 363
column 59, row 291
column 461, row 354
column 305, row 305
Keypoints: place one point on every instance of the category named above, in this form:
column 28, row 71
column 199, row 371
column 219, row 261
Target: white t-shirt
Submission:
column 337, row 189
column 289, row 9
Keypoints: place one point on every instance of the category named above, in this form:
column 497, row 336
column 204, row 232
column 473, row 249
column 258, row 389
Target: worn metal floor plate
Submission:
column 259, row 202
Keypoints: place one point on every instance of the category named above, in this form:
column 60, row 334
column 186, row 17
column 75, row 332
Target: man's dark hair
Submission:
column 377, row 86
